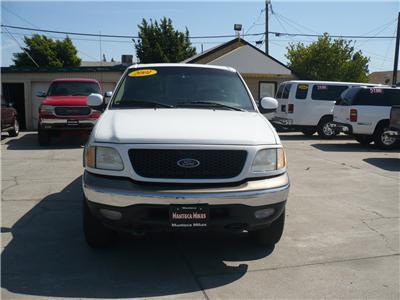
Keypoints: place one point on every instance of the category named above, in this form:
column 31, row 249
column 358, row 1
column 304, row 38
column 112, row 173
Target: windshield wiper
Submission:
column 209, row 104
column 143, row 103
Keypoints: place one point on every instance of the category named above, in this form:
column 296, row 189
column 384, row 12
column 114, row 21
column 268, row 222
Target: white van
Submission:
column 307, row 106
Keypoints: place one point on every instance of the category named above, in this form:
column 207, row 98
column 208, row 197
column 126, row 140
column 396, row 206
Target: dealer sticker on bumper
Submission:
column 189, row 216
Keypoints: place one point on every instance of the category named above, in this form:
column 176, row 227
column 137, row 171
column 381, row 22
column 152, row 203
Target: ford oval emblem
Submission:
column 188, row 163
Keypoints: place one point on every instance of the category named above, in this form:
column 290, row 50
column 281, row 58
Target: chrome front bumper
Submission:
column 123, row 192
column 282, row 121
column 65, row 121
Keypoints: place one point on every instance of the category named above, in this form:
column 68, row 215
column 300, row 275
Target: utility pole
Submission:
column 396, row 53
column 266, row 27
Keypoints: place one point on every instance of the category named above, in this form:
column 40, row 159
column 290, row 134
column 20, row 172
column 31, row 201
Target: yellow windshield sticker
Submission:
column 142, row 72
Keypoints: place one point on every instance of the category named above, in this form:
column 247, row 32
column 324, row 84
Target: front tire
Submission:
column 308, row 131
column 324, row 130
column 363, row 139
column 381, row 140
column 15, row 131
column 270, row 235
column 96, row 234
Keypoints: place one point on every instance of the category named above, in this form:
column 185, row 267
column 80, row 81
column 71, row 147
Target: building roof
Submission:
column 241, row 55
column 117, row 68
column 383, row 77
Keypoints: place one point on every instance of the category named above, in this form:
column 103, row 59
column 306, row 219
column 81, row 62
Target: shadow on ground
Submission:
column 47, row 256
column 28, row 141
column 385, row 163
column 349, row 147
column 301, row 137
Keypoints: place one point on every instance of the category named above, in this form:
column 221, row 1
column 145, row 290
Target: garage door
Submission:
column 37, row 87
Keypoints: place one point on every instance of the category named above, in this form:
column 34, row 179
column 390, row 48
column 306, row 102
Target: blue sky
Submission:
column 205, row 18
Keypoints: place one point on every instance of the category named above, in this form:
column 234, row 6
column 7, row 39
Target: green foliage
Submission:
column 160, row 43
column 328, row 59
column 47, row 53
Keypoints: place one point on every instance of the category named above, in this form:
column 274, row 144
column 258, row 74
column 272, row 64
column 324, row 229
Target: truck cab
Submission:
column 65, row 107
column 183, row 147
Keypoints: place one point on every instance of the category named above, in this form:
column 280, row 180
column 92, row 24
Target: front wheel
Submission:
column 270, row 235
column 383, row 141
column 308, row 131
column 15, row 131
column 96, row 234
column 324, row 129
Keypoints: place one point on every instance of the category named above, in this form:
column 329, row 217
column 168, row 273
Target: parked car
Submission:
column 364, row 112
column 394, row 124
column 9, row 118
column 307, row 106
column 183, row 147
column 65, row 107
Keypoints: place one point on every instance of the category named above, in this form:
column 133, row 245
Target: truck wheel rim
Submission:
column 386, row 140
column 327, row 130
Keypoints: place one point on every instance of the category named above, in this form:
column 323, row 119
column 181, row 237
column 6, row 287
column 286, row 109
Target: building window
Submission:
column 266, row 89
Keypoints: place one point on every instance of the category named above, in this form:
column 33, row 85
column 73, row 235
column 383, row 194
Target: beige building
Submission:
column 20, row 86
column 262, row 72
column 384, row 77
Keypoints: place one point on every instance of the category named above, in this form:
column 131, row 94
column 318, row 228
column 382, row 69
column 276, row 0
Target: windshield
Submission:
column 170, row 87
column 73, row 88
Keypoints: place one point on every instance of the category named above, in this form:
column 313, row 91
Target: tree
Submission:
column 47, row 53
column 160, row 43
column 328, row 59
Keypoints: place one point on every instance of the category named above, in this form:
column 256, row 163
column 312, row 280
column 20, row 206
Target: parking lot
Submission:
column 341, row 238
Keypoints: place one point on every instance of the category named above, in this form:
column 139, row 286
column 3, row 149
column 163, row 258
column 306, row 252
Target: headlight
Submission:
column 269, row 160
column 46, row 109
column 105, row 158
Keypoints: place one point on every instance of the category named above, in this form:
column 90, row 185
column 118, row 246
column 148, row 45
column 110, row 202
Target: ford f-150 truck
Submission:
column 183, row 147
column 65, row 107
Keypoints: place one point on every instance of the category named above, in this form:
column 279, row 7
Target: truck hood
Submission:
column 65, row 100
column 184, row 126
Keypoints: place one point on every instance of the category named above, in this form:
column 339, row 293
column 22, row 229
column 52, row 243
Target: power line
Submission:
column 30, row 57
column 202, row 37
column 35, row 27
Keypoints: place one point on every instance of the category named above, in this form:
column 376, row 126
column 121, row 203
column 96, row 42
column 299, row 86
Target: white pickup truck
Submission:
column 364, row 112
column 183, row 147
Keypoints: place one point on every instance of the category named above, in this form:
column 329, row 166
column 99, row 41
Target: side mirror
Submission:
column 95, row 101
column 108, row 94
column 268, row 105
column 41, row 94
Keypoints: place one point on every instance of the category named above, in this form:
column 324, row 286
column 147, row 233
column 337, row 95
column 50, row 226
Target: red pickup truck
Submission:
column 65, row 107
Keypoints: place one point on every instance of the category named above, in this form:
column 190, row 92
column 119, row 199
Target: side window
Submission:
column 327, row 92
column 280, row 90
column 395, row 97
column 286, row 91
column 302, row 90
column 372, row 97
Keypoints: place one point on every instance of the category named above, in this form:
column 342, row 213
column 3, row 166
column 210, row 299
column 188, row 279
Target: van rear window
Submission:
column 302, row 90
column 280, row 90
column 327, row 92
column 286, row 91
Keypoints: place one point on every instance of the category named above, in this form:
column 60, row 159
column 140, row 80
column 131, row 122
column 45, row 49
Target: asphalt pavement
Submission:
column 341, row 238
